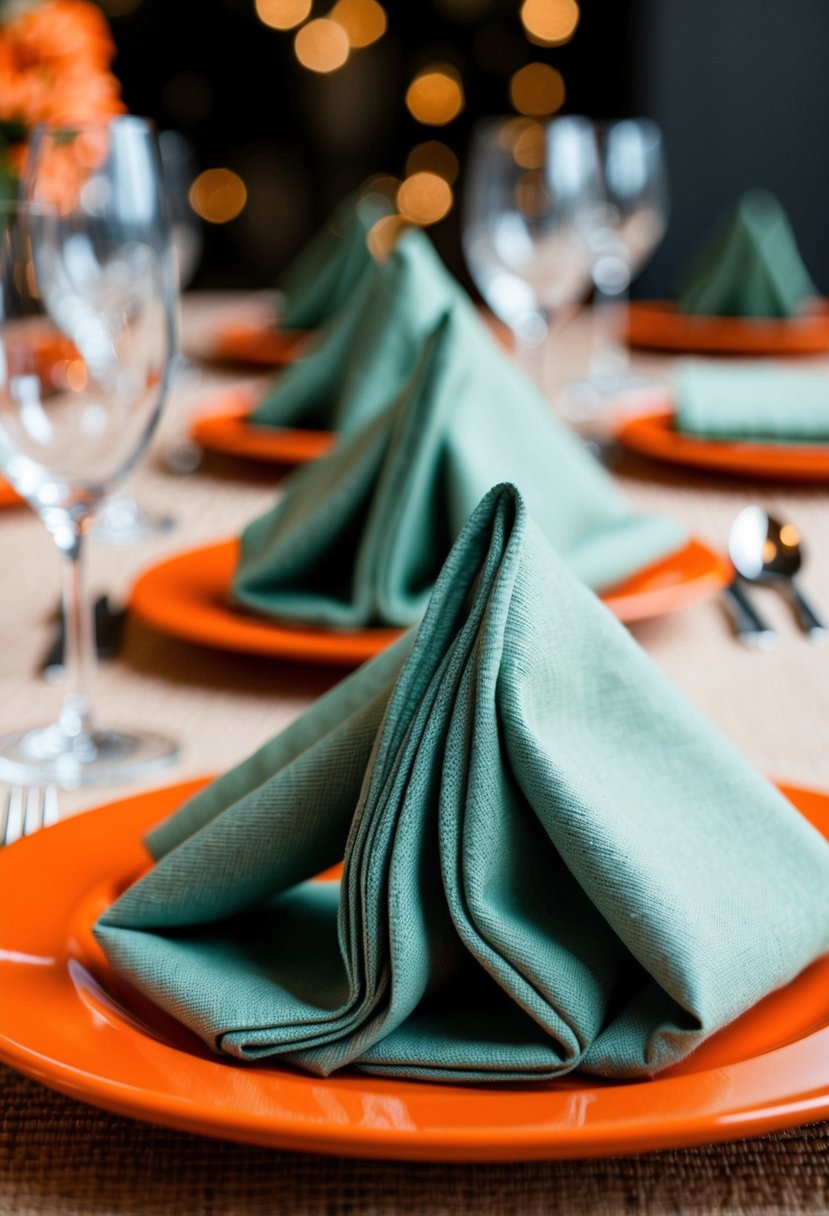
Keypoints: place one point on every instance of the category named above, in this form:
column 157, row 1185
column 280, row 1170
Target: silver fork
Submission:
column 27, row 809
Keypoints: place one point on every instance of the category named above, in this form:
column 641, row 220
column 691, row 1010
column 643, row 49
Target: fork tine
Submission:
column 33, row 815
column 51, row 810
column 13, row 827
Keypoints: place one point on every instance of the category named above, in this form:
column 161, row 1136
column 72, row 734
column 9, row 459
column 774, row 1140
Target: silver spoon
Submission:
column 764, row 550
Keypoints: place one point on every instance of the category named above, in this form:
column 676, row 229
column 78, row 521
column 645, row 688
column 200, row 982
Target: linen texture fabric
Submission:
column 551, row 860
column 751, row 267
column 760, row 402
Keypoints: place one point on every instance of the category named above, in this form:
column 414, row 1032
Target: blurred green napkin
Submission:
column 323, row 276
column 365, row 355
column 752, row 401
column 751, row 267
column 359, row 537
column 551, row 859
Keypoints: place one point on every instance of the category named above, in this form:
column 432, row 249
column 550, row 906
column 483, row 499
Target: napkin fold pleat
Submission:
column 751, row 267
column 359, row 537
column 321, row 279
column 756, row 402
column 366, row 352
column 551, row 860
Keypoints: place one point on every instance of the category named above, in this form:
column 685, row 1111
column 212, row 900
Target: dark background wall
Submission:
column 741, row 88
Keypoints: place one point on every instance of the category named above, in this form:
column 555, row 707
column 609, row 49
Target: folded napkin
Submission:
column 756, row 401
column 751, row 267
column 322, row 277
column 359, row 537
column 367, row 352
column 551, row 859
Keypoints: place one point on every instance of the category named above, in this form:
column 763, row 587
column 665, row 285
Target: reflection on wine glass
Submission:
column 621, row 232
column 87, row 308
column 526, row 186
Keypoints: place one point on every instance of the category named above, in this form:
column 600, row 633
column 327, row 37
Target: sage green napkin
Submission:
column 324, row 274
column 552, row 860
column 359, row 537
column 760, row 402
column 365, row 355
column 751, row 267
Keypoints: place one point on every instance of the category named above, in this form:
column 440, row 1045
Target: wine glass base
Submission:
column 584, row 400
column 47, row 755
column 123, row 521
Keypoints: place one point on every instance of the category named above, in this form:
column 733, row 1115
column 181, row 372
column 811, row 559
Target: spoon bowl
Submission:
column 765, row 550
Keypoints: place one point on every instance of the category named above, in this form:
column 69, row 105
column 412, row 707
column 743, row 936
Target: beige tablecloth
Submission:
column 60, row 1157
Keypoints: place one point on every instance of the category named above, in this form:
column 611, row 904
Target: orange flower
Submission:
column 54, row 61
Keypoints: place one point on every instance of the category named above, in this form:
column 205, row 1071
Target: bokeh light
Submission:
column 537, row 90
column 424, row 198
column 528, row 144
column 364, row 21
column 321, row 45
column 432, row 156
column 282, row 14
column 383, row 184
column 384, row 235
column 218, row 195
column 435, row 96
column 550, row 22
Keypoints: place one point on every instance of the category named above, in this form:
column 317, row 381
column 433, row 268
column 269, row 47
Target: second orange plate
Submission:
column 659, row 325
column 652, row 434
column 225, row 428
column 187, row 597
column 255, row 343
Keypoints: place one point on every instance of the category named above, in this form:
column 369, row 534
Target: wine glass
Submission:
column 621, row 232
column 527, row 185
column 122, row 520
column 87, row 319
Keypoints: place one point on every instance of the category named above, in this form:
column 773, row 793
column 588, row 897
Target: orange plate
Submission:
column 659, row 325
column 67, row 1021
column 257, row 343
column 224, row 428
column 8, row 496
column 652, row 434
column 187, row 597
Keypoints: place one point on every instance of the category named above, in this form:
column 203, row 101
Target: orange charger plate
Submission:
column 257, row 343
column 659, row 325
column 224, row 428
column 68, row 1022
column 652, row 434
column 8, row 496
column 187, row 596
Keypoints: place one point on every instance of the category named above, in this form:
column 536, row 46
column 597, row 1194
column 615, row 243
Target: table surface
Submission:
column 59, row 1157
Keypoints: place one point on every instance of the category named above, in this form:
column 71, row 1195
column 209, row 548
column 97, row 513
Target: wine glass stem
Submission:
column 609, row 357
column 79, row 627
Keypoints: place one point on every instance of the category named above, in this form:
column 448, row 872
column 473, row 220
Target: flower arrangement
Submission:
column 55, row 58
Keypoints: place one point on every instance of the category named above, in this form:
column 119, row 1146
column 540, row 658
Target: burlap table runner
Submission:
column 61, row 1158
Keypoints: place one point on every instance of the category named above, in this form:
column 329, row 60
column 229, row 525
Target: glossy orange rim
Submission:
column 187, row 597
column 224, row 428
column 653, row 434
column 8, row 496
column 66, row 1021
column 659, row 325
column 257, row 343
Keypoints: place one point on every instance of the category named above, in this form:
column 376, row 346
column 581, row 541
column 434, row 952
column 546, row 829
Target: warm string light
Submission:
column 435, row 96
column 433, row 157
column 283, row 14
column 321, row 45
column 424, row 198
column 364, row 21
column 550, row 22
column 218, row 195
column 537, row 90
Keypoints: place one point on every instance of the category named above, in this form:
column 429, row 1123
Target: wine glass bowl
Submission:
column 87, row 308
column 526, row 185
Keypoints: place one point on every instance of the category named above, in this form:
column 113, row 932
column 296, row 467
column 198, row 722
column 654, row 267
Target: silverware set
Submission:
column 27, row 809
column 766, row 551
